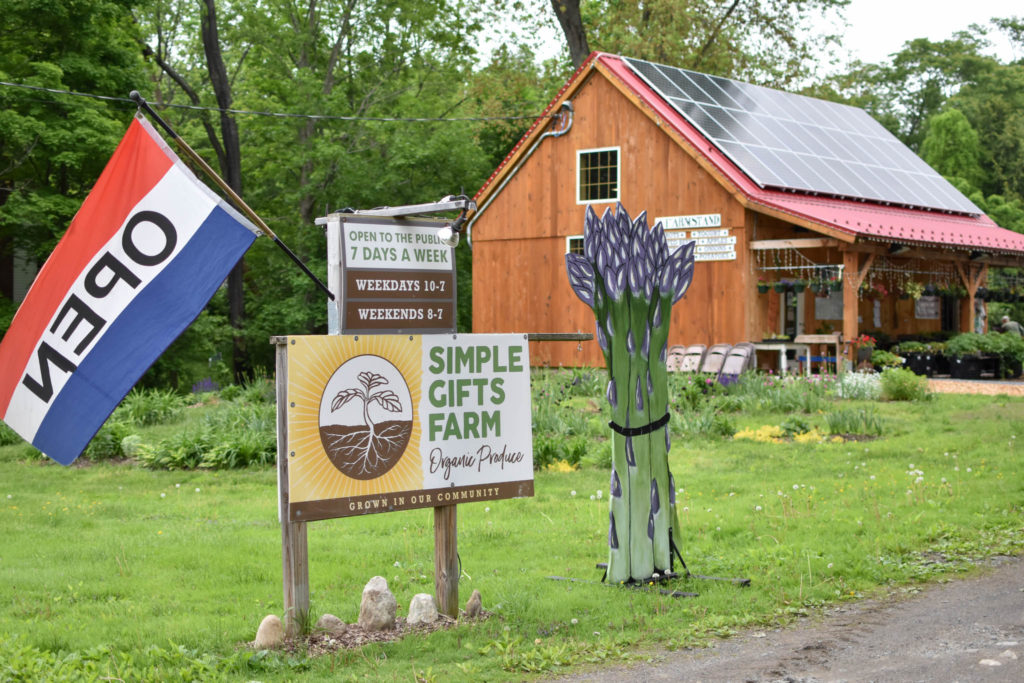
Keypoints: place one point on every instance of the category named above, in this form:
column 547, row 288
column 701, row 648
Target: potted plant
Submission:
column 763, row 286
column 885, row 359
column 964, row 351
column 914, row 289
column 917, row 357
column 799, row 286
column 863, row 346
column 1006, row 351
column 780, row 286
column 930, row 289
column 835, row 284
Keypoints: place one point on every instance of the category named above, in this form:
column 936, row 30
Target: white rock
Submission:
column 422, row 610
column 331, row 624
column 990, row 662
column 1007, row 643
column 378, row 608
column 474, row 606
column 270, row 633
column 1008, row 654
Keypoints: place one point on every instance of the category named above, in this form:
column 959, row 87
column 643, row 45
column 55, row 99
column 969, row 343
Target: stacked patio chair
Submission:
column 738, row 360
column 693, row 358
column 715, row 358
column 674, row 360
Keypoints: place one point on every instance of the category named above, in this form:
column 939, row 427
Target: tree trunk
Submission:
column 568, row 13
column 231, row 170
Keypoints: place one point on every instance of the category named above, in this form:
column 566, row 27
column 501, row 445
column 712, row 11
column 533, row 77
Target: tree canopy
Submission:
column 387, row 102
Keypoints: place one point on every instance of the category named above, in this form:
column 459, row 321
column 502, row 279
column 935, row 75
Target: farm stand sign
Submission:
column 398, row 276
column 394, row 422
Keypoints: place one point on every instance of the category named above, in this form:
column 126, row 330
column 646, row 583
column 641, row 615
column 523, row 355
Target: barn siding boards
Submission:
column 519, row 242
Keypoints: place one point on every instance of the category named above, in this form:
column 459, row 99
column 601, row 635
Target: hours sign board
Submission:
column 393, row 422
column 397, row 276
column 712, row 244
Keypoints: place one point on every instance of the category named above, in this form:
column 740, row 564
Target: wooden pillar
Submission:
column 294, row 548
column 851, row 282
column 446, row 560
column 971, row 277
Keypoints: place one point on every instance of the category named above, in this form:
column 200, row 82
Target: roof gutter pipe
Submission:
column 563, row 125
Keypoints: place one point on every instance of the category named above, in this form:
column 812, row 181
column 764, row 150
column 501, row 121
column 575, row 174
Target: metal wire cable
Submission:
column 283, row 115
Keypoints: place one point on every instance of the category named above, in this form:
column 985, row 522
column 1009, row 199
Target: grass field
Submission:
column 112, row 570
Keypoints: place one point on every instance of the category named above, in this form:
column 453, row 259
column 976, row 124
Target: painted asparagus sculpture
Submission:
column 630, row 280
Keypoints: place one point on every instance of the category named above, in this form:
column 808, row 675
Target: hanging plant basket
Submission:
column 835, row 285
column 799, row 287
column 763, row 287
column 779, row 287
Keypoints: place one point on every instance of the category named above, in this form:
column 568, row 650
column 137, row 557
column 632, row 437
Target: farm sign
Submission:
column 394, row 422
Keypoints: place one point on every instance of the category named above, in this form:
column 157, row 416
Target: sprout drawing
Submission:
column 369, row 450
column 387, row 399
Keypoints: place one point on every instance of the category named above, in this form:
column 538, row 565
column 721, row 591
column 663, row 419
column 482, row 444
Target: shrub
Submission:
column 8, row 436
column 900, row 384
column 144, row 407
column 106, row 444
column 241, row 435
column 860, row 386
column 855, row 421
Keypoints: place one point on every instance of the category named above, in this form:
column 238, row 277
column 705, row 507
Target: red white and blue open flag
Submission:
column 142, row 257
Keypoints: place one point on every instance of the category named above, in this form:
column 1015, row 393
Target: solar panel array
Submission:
column 793, row 142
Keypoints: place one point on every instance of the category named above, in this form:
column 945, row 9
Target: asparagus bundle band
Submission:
column 630, row 280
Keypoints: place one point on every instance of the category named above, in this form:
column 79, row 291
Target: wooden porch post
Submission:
column 971, row 277
column 853, row 275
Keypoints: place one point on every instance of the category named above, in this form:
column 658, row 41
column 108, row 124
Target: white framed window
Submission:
column 597, row 175
column 574, row 244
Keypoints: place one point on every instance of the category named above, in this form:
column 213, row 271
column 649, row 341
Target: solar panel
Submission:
column 792, row 142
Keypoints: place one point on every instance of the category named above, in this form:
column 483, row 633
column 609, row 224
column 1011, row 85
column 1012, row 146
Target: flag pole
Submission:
column 238, row 201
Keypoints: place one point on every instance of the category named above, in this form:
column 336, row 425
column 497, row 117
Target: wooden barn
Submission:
column 780, row 192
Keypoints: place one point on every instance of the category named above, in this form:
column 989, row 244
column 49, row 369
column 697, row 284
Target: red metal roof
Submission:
column 862, row 219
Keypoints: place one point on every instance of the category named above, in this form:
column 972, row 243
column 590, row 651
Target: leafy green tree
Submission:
column 763, row 41
column 952, row 146
column 52, row 146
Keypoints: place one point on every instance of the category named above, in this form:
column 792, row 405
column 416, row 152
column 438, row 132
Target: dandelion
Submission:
column 177, row 486
column 9, row 496
column 599, row 494
column 757, row 508
column 731, row 494
column 592, row 498
column 397, row 563
column 572, row 493
column 163, row 495
column 574, row 621
column 487, row 509
column 828, row 566
column 796, row 487
column 919, row 480
column 197, row 489
column 872, row 477
column 968, row 469
column 686, row 509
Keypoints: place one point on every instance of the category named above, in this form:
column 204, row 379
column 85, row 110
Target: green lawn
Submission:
column 114, row 570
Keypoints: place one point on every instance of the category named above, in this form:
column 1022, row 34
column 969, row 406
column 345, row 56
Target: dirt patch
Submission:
column 964, row 630
column 320, row 643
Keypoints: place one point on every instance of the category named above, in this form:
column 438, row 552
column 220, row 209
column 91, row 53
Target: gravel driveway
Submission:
column 965, row 630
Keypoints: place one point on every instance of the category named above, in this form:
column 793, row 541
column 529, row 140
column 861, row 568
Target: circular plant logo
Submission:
column 365, row 417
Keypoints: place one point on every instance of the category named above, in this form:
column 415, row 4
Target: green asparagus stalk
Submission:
column 630, row 280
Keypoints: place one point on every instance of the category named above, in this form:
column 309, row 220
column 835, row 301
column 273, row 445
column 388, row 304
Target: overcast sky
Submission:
column 880, row 27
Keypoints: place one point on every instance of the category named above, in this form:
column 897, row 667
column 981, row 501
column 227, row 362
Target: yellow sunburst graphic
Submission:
column 312, row 362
